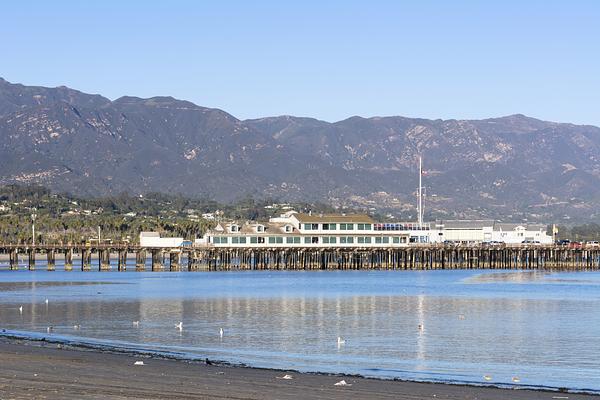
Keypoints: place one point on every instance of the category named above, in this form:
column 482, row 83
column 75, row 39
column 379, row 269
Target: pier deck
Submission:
column 414, row 257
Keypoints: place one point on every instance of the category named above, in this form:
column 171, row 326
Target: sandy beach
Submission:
column 42, row 370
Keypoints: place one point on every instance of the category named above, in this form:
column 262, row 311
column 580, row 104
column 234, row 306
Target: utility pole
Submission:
column 33, row 217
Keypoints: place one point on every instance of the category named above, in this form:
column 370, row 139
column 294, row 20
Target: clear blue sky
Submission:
column 326, row 59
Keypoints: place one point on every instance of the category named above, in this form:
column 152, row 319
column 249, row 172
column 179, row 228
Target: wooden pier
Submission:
column 416, row 257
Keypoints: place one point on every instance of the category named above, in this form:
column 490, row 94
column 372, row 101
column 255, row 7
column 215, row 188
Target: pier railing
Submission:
column 105, row 257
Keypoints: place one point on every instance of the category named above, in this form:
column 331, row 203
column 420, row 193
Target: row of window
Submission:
column 310, row 239
column 400, row 227
column 333, row 227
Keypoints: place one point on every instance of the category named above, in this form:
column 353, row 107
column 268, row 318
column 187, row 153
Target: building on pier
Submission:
column 317, row 230
column 294, row 229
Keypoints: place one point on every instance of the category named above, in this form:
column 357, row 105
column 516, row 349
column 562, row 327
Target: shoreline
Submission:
column 33, row 366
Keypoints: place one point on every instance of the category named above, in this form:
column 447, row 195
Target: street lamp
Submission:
column 33, row 217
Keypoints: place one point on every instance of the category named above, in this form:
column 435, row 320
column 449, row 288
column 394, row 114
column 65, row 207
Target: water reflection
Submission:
column 545, row 336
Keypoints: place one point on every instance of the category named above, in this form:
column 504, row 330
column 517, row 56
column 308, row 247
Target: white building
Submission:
column 294, row 229
column 153, row 239
column 478, row 231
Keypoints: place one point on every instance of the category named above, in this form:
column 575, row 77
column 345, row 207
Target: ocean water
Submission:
column 450, row 326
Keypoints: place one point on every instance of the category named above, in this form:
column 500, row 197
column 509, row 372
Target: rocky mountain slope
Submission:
column 511, row 167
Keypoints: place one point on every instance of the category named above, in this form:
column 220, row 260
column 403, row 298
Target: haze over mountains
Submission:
column 511, row 167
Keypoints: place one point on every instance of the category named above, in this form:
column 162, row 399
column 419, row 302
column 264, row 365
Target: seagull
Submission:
column 179, row 326
column 49, row 329
column 341, row 341
column 461, row 316
column 487, row 377
column 46, row 301
column 76, row 327
column 286, row 376
column 21, row 309
column 221, row 332
column 136, row 323
column 138, row 363
column 421, row 327
column 516, row 379
column 342, row 383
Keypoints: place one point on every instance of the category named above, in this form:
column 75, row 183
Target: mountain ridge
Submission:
column 513, row 166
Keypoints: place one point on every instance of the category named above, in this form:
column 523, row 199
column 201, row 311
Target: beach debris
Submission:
column 138, row 363
column 179, row 326
column 221, row 332
column 136, row 323
column 516, row 379
column 341, row 340
column 560, row 397
column 286, row 376
column 220, row 373
column 21, row 309
column 487, row 377
column 342, row 383
column 208, row 362
column 49, row 329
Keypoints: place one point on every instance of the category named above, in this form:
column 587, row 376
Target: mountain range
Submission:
column 512, row 167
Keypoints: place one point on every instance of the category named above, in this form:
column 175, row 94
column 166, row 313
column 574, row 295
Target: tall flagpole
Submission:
column 420, row 191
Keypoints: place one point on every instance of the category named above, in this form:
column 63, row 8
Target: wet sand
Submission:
column 42, row 370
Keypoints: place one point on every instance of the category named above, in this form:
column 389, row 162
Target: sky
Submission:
column 324, row 59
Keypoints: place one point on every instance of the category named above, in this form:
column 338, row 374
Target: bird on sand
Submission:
column 49, row 329
column 21, row 309
column 179, row 326
column 516, row 379
column 221, row 332
column 487, row 377
column 76, row 327
column 342, row 383
column 341, row 340
column 46, row 301
column 136, row 323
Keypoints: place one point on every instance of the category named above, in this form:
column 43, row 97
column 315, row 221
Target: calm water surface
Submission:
column 543, row 328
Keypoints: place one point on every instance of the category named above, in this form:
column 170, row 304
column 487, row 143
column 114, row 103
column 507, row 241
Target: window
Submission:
column 235, row 240
column 260, row 228
column 378, row 239
column 279, row 239
column 311, row 227
column 329, row 239
column 332, row 239
column 271, row 239
column 288, row 228
column 314, row 239
column 367, row 227
column 346, row 227
column 253, row 239
column 367, row 239
column 360, row 227
column 349, row 239
column 307, row 240
column 361, row 239
column 329, row 227
column 289, row 239
column 261, row 239
column 385, row 239
column 234, row 228
column 307, row 227
column 396, row 239
column 343, row 240
column 243, row 240
column 220, row 239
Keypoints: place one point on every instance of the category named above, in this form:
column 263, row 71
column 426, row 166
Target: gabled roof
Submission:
column 334, row 218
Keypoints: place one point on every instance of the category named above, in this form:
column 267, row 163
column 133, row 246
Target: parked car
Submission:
column 592, row 243
column 563, row 242
column 575, row 245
